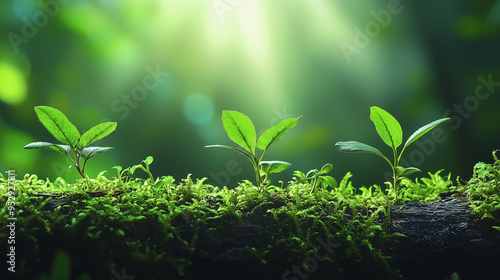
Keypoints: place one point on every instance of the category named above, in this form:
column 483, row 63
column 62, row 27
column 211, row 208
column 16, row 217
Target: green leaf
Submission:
column 270, row 167
column 240, row 129
column 132, row 169
column 387, row 127
column 481, row 170
column 58, row 125
column 423, row 130
column 63, row 149
column 403, row 171
column 357, row 147
column 276, row 132
column 95, row 133
column 118, row 169
column 326, row 168
column 328, row 181
column 90, row 152
column 148, row 160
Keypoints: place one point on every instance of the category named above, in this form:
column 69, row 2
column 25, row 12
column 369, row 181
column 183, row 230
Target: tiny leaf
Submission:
column 276, row 132
column 240, row 129
column 118, row 169
column 357, row 147
column 328, row 181
column 95, row 133
column 58, row 125
column 63, row 149
column 270, row 167
column 326, row 168
column 423, row 130
column 132, row 169
column 148, row 160
column 403, row 171
column 90, row 152
column 387, row 127
column 481, row 170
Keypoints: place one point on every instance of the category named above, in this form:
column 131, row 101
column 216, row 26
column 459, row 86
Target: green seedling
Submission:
column 241, row 130
column 76, row 147
column 391, row 133
column 318, row 177
column 129, row 172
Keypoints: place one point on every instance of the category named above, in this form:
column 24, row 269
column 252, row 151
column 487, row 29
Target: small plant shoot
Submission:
column 318, row 177
column 241, row 130
column 75, row 146
column 129, row 172
column 391, row 133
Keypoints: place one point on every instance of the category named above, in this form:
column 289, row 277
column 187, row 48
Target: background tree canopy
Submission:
column 165, row 70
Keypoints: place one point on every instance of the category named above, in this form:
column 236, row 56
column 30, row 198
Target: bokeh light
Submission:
column 198, row 108
column 13, row 86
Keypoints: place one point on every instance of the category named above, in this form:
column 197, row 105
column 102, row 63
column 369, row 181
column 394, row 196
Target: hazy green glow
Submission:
column 13, row 85
column 11, row 141
column 198, row 108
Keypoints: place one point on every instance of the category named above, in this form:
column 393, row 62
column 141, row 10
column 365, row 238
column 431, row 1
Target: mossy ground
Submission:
column 150, row 227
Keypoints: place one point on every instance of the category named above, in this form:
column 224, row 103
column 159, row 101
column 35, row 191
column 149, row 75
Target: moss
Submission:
column 426, row 189
column 154, row 225
column 483, row 192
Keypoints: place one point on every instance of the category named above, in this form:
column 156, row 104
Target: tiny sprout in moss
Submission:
column 76, row 146
column 390, row 131
column 317, row 177
column 241, row 130
column 129, row 172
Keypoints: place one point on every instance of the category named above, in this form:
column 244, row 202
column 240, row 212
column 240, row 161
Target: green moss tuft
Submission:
column 483, row 191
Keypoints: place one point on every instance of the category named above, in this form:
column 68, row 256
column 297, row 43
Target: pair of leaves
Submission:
column 327, row 181
column 129, row 172
column 66, row 132
column 63, row 130
column 316, row 177
column 391, row 133
column 390, row 130
column 270, row 167
column 147, row 162
column 241, row 130
column 321, row 178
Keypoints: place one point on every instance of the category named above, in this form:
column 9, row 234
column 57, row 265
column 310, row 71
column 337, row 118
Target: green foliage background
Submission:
column 270, row 60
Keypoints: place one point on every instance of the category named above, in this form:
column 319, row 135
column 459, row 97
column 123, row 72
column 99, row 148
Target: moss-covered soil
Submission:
column 120, row 227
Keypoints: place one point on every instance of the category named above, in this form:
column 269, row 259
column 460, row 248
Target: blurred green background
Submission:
column 165, row 70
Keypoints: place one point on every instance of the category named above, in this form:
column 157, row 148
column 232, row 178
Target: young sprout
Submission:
column 391, row 133
column 317, row 177
column 241, row 130
column 75, row 146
